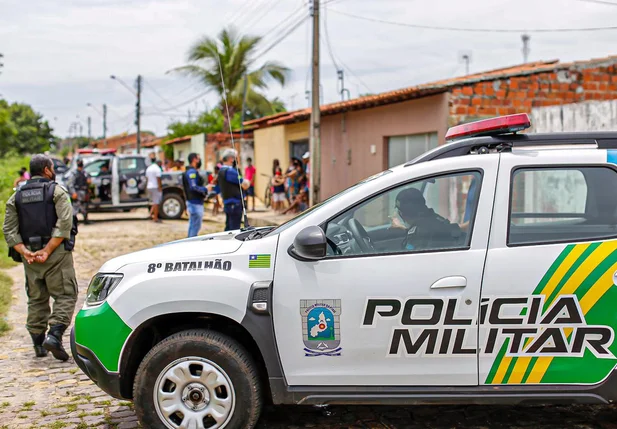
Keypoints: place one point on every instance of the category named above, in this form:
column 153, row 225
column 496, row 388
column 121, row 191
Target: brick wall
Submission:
column 520, row 94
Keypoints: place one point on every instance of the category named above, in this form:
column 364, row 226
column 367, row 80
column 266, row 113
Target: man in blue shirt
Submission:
column 230, row 182
column 195, row 194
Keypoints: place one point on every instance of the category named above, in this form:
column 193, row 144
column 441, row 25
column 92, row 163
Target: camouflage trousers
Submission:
column 54, row 279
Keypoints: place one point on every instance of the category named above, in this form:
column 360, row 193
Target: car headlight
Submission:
column 101, row 287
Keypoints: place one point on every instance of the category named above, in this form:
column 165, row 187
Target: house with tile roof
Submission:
column 363, row 136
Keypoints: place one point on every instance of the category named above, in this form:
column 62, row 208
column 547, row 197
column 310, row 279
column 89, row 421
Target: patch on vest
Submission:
column 29, row 196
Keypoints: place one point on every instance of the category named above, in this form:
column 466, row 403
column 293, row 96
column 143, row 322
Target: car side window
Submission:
column 95, row 168
column 549, row 205
column 431, row 214
column 131, row 165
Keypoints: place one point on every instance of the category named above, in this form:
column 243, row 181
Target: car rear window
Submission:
column 566, row 204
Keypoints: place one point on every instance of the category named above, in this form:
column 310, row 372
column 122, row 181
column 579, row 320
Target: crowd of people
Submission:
column 290, row 189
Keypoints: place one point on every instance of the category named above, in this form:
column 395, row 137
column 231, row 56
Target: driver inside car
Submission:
column 426, row 230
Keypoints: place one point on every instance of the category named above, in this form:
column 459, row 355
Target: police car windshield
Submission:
column 305, row 213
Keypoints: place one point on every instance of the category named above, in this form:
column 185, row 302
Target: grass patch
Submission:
column 58, row 425
column 8, row 173
column 6, row 297
column 71, row 408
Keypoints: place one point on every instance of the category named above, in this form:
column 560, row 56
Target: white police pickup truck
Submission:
column 481, row 272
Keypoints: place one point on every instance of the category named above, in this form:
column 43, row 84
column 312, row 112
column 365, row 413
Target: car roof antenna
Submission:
column 233, row 143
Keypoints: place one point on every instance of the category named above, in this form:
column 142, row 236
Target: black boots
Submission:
column 53, row 342
column 37, row 340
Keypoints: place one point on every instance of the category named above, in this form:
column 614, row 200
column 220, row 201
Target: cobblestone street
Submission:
column 43, row 393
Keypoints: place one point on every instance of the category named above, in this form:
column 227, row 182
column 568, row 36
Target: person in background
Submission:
column 275, row 164
column 292, row 178
column 249, row 174
column 105, row 186
column 155, row 188
column 216, row 207
column 300, row 202
column 307, row 169
column 79, row 185
column 230, row 182
column 23, row 176
column 278, row 191
column 196, row 194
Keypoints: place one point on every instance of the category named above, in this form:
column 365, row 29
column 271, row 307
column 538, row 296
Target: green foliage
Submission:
column 8, row 173
column 22, row 130
column 209, row 122
column 5, row 301
column 237, row 54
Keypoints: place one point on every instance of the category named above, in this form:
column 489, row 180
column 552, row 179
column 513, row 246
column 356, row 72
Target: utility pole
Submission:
column 244, row 90
column 105, row 124
column 341, row 76
column 138, row 114
column 525, row 38
column 466, row 60
column 315, row 142
column 89, row 130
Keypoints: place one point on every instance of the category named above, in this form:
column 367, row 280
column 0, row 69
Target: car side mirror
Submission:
column 310, row 244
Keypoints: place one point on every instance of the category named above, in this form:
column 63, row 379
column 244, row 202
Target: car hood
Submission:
column 206, row 245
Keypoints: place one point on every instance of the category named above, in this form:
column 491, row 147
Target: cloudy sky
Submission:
column 59, row 54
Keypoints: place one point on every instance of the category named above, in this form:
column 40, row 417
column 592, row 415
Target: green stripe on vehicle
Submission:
column 102, row 331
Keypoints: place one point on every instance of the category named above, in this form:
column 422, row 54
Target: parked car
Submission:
column 119, row 183
column 483, row 271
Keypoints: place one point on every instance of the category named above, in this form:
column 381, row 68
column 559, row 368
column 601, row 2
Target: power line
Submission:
column 198, row 96
column 284, row 36
column 248, row 13
column 282, row 23
column 238, row 12
column 476, row 30
column 257, row 17
column 348, row 69
column 325, row 26
column 157, row 93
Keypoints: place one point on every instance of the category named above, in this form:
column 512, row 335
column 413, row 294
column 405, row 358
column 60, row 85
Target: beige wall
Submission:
column 269, row 143
column 347, row 138
column 181, row 151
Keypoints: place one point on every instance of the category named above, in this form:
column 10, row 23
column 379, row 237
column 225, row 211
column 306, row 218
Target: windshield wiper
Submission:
column 257, row 234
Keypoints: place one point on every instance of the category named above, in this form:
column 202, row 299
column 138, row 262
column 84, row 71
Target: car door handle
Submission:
column 450, row 282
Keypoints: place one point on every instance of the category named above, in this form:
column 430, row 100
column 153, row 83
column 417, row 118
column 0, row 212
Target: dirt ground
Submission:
column 43, row 393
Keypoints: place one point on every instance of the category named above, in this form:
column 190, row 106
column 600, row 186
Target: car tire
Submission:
column 172, row 206
column 232, row 385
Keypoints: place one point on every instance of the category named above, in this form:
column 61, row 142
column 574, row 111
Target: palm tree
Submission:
column 236, row 56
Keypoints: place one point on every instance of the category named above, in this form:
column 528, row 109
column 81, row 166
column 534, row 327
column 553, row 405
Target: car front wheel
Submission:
column 172, row 206
column 198, row 379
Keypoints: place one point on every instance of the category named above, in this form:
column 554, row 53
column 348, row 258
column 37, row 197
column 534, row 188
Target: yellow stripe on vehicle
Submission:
column 501, row 371
column 520, row 367
column 563, row 269
column 599, row 288
column 586, row 268
column 590, row 298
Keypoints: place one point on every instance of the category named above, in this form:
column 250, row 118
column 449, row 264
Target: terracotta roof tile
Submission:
column 427, row 89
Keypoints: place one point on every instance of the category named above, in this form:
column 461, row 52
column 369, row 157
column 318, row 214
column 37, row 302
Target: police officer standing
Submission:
column 196, row 194
column 40, row 230
column 78, row 186
column 230, row 181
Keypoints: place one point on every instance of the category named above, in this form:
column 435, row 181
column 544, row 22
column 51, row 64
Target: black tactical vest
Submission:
column 228, row 190
column 36, row 210
column 192, row 195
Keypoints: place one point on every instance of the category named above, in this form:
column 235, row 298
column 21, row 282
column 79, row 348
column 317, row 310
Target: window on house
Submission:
column 405, row 148
column 562, row 204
